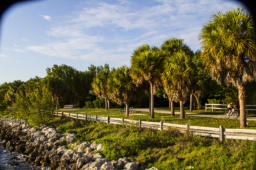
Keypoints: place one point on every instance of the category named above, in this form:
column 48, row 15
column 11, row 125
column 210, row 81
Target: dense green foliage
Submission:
column 178, row 71
column 121, row 87
column 100, row 84
column 229, row 51
column 164, row 150
column 147, row 65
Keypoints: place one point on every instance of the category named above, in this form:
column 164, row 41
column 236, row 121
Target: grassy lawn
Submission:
column 162, row 149
column 192, row 120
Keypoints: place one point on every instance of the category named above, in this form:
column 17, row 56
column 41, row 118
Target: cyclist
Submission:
column 230, row 108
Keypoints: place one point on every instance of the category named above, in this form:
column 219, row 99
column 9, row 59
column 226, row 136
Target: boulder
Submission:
column 108, row 166
column 100, row 147
column 97, row 164
column 131, row 166
column 97, row 156
column 81, row 147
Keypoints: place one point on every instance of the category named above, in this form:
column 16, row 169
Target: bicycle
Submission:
column 234, row 113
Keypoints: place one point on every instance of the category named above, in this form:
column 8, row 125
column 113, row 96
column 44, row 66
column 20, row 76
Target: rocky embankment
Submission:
column 47, row 147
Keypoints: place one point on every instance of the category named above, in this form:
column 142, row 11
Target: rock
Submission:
column 66, row 157
column 108, row 166
column 88, row 150
column 94, row 145
column 97, row 156
column 69, row 137
column 61, row 150
column 32, row 130
column 97, row 164
column 131, row 166
column 122, row 161
column 80, row 162
column 76, row 156
column 82, row 147
column 42, row 138
column 100, row 147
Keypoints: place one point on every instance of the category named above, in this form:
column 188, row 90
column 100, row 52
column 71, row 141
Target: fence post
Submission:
column 123, row 120
column 62, row 114
column 86, row 117
column 221, row 134
column 188, row 128
column 139, row 123
column 108, row 119
column 205, row 107
column 212, row 108
column 96, row 118
column 161, row 125
column 76, row 115
column 69, row 115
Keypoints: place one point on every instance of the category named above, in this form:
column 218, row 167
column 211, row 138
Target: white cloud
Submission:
column 109, row 33
column 3, row 56
column 46, row 17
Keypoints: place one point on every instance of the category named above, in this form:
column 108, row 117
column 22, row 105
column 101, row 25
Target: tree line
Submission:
column 172, row 72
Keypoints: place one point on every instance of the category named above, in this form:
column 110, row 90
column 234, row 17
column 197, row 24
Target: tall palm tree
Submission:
column 176, row 77
column 121, row 87
column 146, row 65
column 169, row 48
column 229, row 51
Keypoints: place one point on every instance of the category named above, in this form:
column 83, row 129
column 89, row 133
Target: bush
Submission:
column 97, row 103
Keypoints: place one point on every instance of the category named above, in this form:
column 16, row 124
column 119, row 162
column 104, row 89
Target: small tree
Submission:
column 121, row 87
column 99, row 85
column 229, row 51
column 198, row 79
column 146, row 65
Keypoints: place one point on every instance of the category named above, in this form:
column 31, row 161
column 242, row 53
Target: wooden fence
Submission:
column 221, row 132
column 224, row 107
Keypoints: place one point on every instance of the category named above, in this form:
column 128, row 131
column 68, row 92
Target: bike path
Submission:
column 191, row 114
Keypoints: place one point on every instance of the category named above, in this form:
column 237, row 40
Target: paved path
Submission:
column 191, row 114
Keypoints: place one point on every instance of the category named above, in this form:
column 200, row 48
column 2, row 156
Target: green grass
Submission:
column 162, row 149
column 192, row 120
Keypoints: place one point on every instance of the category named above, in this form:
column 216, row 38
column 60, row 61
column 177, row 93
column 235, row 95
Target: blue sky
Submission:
column 79, row 33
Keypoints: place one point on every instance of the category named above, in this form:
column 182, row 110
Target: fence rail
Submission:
column 221, row 132
column 224, row 107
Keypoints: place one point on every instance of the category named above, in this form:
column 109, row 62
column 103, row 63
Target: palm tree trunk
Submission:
column 198, row 102
column 127, row 109
column 106, row 103
column 172, row 108
column 182, row 112
column 151, row 100
column 57, row 103
column 241, row 97
column 191, row 103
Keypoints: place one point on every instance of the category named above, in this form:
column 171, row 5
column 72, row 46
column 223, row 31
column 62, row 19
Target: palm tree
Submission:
column 146, row 65
column 229, row 51
column 169, row 47
column 99, row 84
column 121, row 87
column 176, row 77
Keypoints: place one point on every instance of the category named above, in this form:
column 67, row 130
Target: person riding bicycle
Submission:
column 230, row 108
